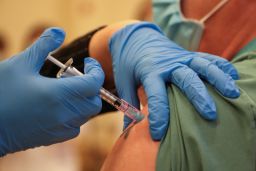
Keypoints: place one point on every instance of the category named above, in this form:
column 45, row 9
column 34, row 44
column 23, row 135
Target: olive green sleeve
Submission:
column 228, row 144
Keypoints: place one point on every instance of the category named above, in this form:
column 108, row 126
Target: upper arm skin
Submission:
column 134, row 149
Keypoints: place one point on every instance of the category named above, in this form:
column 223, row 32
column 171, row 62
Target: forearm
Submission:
column 98, row 49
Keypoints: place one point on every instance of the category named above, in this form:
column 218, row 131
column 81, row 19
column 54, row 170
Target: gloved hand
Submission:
column 36, row 110
column 142, row 55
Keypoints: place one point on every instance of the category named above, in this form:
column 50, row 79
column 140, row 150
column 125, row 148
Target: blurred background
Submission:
column 21, row 23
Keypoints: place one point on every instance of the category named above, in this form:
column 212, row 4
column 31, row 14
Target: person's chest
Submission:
column 227, row 30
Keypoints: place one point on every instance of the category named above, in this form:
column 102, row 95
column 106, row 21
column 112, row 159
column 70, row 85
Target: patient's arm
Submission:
column 192, row 143
column 134, row 150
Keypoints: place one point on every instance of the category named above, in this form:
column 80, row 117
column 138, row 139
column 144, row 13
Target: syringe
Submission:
column 118, row 103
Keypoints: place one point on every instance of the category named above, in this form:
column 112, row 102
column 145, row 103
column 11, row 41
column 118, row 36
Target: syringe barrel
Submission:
column 109, row 97
column 131, row 111
column 121, row 105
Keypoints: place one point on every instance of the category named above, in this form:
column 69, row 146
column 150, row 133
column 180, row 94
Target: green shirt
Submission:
column 228, row 144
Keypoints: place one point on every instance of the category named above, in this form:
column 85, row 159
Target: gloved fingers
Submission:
column 223, row 64
column 190, row 84
column 216, row 77
column 83, row 86
column 84, row 109
column 49, row 40
column 158, row 106
column 61, row 133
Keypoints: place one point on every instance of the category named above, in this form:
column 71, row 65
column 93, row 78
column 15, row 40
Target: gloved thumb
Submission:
column 49, row 40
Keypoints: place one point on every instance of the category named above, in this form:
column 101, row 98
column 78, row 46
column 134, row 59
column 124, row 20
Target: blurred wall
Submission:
column 75, row 16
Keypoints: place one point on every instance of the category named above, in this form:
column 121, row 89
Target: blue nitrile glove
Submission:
column 141, row 54
column 36, row 110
